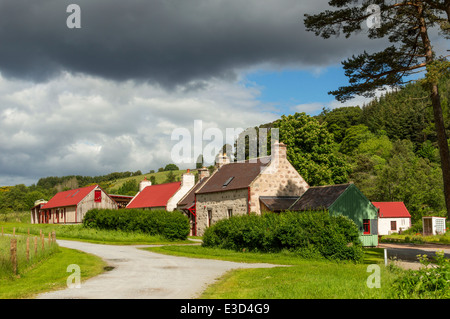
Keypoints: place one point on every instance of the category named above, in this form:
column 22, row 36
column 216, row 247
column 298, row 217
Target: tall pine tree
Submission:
column 406, row 24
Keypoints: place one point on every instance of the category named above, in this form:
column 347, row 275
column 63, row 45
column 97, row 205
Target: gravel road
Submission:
column 140, row 274
column 406, row 254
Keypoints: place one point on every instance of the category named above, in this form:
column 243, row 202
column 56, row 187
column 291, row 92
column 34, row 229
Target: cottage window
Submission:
column 98, row 196
column 230, row 212
column 366, row 226
column 393, row 225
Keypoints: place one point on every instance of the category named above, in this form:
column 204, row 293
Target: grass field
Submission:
column 78, row 232
column 301, row 279
column 160, row 178
column 50, row 274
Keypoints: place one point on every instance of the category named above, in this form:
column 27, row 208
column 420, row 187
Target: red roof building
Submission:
column 70, row 206
column 154, row 196
column 392, row 209
column 393, row 217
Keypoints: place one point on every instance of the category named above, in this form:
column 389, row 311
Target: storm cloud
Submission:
column 168, row 42
column 107, row 96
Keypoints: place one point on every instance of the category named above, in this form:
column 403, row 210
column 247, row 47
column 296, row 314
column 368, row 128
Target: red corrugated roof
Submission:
column 69, row 198
column 154, row 195
column 392, row 209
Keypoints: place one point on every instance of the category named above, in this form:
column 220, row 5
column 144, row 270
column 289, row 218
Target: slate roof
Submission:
column 189, row 200
column 319, row 197
column 278, row 203
column 392, row 209
column 154, row 195
column 69, row 198
column 234, row 176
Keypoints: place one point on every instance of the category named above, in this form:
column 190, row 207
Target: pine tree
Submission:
column 406, row 24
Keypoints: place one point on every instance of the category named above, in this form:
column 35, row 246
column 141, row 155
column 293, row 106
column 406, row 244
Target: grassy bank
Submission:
column 80, row 233
column 50, row 274
column 303, row 279
column 28, row 253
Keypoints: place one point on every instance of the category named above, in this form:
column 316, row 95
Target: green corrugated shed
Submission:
column 347, row 200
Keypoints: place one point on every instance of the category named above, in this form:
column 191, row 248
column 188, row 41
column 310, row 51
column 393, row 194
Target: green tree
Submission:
column 170, row 177
column 171, row 167
column 412, row 180
column 130, row 187
column 312, row 150
column 406, row 24
column 354, row 136
column 340, row 119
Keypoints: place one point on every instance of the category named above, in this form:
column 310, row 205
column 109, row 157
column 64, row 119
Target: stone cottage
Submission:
column 236, row 188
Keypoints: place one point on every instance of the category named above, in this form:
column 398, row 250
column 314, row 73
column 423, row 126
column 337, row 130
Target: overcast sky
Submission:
column 106, row 97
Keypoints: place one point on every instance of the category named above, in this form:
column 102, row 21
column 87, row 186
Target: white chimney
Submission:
column 188, row 179
column 144, row 183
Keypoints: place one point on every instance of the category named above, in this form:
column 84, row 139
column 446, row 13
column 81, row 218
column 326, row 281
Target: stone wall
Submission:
column 279, row 178
column 219, row 203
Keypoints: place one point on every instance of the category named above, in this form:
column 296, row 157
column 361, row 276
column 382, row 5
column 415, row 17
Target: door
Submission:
column 427, row 226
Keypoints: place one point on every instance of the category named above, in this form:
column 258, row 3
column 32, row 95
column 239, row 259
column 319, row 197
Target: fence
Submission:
column 24, row 251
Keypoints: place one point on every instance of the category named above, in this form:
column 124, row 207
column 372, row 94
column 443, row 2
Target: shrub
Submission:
column 171, row 225
column 427, row 282
column 333, row 237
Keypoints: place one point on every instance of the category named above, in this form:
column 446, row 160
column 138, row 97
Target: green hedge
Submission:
column 313, row 233
column 171, row 225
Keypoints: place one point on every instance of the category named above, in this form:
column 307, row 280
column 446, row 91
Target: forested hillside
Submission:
column 387, row 148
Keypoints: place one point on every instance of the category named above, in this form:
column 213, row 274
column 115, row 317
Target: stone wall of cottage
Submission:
column 219, row 204
column 280, row 178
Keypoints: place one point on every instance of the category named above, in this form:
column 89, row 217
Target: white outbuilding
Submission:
column 433, row 225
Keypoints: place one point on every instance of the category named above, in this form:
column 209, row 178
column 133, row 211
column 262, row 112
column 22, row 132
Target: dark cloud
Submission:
column 163, row 41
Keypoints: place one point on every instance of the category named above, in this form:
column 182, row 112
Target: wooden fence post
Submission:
column 14, row 254
column 49, row 239
column 54, row 237
column 42, row 242
column 28, row 249
column 35, row 245
column 14, row 231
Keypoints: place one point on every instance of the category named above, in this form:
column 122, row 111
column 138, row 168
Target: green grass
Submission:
column 303, row 279
column 50, row 274
column 418, row 238
column 23, row 263
column 80, row 233
column 160, row 178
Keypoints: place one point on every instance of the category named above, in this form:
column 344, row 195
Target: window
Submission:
column 228, row 181
column 98, row 196
column 209, row 217
column 393, row 225
column 230, row 212
column 366, row 226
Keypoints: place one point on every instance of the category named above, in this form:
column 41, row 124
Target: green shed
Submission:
column 347, row 200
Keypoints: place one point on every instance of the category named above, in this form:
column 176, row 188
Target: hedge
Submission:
column 171, row 225
column 313, row 233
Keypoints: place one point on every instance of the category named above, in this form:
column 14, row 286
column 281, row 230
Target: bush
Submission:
column 333, row 237
column 427, row 282
column 171, row 225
